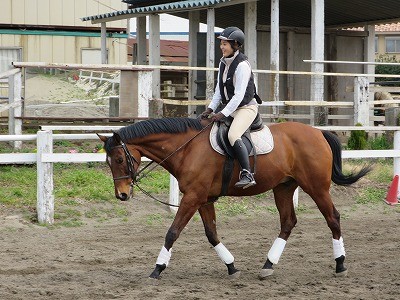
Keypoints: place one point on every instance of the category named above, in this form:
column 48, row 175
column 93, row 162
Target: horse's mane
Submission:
column 153, row 126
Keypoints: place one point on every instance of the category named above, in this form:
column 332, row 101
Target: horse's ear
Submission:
column 116, row 137
column 102, row 137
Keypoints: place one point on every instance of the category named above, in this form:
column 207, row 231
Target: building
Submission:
column 52, row 31
column 387, row 41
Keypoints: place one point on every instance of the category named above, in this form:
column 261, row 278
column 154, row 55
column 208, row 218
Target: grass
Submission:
column 85, row 192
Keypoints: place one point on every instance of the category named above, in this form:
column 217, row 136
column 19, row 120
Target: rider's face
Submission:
column 226, row 48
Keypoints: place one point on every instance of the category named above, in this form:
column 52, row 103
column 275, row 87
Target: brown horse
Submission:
column 303, row 156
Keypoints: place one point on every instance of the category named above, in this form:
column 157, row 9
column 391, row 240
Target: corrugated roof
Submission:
column 293, row 13
column 159, row 8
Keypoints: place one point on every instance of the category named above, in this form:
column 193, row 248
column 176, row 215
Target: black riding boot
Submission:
column 246, row 177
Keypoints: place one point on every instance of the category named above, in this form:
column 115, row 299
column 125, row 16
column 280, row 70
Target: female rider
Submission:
column 235, row 90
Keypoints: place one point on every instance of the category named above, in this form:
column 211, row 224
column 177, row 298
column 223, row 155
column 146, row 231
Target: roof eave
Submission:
column 162, row 8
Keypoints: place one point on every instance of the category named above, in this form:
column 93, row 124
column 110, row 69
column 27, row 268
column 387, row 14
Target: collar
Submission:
column 228, row 60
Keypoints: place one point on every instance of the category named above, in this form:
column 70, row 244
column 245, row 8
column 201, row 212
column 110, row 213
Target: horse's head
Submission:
column 123, row 163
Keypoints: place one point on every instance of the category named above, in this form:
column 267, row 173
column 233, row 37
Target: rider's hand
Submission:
column 206, row 113
column 217, row 117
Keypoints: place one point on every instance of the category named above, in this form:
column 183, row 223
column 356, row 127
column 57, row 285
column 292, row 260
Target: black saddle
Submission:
column 222, row 134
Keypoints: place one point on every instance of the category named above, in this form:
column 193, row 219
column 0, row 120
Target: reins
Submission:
column 135, row 175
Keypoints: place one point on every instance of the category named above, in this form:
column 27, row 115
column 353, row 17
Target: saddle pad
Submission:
column 262, row 139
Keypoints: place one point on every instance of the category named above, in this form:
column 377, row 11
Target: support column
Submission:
column 274, row 54
column 250, row 31
column 194, row 25
column 317, row 53
column 141, row 44
column 369, row 55
column 210, row 59
column 103, row 43
column 154, row 52
column 290, row 63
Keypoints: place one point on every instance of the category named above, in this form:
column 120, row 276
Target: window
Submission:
column 376, row 45
column 392, row 44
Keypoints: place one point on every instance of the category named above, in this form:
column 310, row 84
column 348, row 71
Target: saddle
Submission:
column 223, row 143
column 222, row 135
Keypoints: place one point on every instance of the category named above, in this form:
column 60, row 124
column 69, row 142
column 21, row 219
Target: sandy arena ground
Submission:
column 112, row 260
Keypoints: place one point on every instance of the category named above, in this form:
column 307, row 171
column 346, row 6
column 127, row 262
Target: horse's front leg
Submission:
column 207, row 213
column 187, row 208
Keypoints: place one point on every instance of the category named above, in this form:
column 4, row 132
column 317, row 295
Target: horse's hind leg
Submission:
column 207, row 213
column 332, row 217
column 283, row 194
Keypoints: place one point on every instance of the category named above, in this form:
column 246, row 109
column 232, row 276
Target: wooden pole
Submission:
column 274, row 54
column 154, row 52
column 317, row 53
column 103, row 43
column 361, row 101
column 15, row 111
column 210, row 59
column 45, row 194
column 194, row 25
column 141, row 43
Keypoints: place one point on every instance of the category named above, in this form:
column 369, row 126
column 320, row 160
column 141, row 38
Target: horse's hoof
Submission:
column 341, row 274
column 265, row 273
column 234, row 276
column 153, row 281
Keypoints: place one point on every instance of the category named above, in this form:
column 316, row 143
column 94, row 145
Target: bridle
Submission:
column 134, row 175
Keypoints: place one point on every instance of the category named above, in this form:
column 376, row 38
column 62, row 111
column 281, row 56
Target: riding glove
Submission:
column 217, row 117
column 205, row 114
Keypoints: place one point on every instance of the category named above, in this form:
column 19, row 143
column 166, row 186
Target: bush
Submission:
column 388, row 69
column 357, row 140
column 379, row 143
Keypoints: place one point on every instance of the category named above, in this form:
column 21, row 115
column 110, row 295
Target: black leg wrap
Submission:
column 157, row 271
column 268, row 265
column 231, row 269
column 340, row 264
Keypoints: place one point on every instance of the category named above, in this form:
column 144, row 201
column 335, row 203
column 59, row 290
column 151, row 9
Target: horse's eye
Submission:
column 120, row 160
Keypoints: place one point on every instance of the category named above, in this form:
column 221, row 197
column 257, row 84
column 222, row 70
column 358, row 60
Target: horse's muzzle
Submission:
column 122, row 196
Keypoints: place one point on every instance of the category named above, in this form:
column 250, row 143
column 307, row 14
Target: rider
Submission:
column 236, row 90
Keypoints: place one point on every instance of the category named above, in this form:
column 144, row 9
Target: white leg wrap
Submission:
column 224, row 254
column 276, row 250
column 164, row 256
column 338, row 248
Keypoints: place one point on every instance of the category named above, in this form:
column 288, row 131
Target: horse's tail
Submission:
column 337, row 175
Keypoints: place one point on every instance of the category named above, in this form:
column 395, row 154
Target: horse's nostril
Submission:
column 123, row 196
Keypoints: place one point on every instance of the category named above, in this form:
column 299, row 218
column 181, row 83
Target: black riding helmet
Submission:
column 232, row 34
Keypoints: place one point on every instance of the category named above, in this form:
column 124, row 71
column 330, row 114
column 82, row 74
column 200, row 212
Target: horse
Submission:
column 303, row 156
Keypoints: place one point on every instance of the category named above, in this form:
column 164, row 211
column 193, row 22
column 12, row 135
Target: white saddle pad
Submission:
column 262, row 139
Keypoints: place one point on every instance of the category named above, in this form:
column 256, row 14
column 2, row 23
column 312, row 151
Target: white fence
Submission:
column 45, row 158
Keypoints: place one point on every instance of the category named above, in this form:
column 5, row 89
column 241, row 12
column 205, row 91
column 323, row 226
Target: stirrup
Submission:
column 246, row 180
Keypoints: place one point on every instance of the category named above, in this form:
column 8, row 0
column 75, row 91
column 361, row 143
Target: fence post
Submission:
column 14, row 95
column 173, row 193
column 361, row 101
column 45, row 195
column 396, row 160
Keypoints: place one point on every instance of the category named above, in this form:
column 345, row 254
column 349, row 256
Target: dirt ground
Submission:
column 112, row 260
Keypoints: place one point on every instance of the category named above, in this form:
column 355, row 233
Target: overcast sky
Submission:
column 177, row 27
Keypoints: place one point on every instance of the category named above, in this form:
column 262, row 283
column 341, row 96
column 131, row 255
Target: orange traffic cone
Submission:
column 391, row 197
